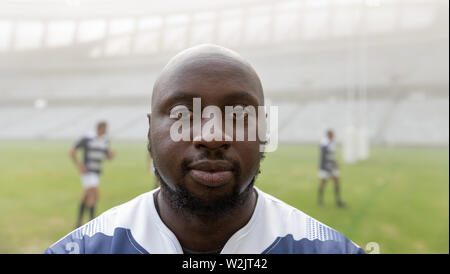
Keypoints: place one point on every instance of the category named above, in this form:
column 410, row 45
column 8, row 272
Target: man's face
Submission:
column 208, row 171
column 101, row 130
column 330, row 135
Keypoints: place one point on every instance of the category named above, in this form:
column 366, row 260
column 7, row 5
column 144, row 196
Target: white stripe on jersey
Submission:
column 274, row 227
column 95, row 155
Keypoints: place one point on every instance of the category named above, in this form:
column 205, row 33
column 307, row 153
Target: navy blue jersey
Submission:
column 327, row 155
column 135, row 227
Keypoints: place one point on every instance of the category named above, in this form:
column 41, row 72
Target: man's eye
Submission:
column 239, row 113
column 180, row 112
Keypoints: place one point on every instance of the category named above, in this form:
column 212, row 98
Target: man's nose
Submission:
column 211, row 141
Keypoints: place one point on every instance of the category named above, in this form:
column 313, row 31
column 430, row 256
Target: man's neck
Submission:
column 197, row 234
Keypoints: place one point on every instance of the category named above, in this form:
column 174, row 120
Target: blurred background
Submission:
column 375, row 71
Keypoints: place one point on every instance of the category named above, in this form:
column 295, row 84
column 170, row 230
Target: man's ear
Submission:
column 149, row 116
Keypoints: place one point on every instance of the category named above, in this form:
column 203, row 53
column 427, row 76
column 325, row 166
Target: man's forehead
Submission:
column 220, row 74
column 231, row 97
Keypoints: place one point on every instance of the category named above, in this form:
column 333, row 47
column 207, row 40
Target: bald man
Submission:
column 207, row 202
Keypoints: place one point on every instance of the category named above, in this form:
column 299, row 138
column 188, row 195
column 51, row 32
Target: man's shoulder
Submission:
column 88, row 136
column 277, row 207
column 296, row 232
column 83, row 140
column 324, row 142
column 111, row 232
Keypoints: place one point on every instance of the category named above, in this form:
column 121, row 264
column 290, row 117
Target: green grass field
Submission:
column 398, row 198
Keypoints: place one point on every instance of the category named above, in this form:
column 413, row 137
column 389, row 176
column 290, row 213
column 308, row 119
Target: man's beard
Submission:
column 181, row 199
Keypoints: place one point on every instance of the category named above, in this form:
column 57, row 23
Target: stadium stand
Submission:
column 331, row 72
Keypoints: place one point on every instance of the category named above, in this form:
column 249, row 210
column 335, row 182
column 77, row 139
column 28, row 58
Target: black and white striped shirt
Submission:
column 95, row 149
column 327, row 155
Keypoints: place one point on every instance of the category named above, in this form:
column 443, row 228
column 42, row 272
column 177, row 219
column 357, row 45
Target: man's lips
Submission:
column 211, row 165
column 211, row 173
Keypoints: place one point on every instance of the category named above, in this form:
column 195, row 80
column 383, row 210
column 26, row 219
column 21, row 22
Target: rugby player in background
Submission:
column 95, row 148
column 328, row 167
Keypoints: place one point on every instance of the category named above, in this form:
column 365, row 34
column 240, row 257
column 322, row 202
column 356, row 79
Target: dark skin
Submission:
column 221, row 78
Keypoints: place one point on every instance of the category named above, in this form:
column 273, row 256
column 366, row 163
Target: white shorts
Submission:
column 90, row 179
column 325, row 174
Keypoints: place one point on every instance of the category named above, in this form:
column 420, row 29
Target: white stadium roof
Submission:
column 133, row 26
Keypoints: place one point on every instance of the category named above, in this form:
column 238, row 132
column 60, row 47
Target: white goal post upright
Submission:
column 363, row 142
column 356, row 143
